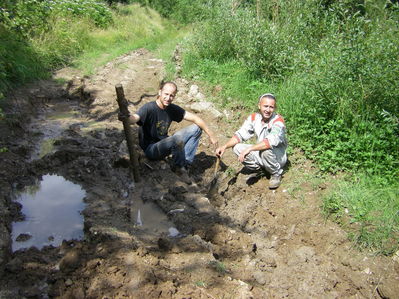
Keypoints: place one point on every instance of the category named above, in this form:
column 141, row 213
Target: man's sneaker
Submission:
column 275, row 181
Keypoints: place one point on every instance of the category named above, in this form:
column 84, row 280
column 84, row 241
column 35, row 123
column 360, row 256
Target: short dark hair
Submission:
column 163, row 83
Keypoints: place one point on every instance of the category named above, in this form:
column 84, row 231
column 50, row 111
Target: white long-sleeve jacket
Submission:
column 272, row 133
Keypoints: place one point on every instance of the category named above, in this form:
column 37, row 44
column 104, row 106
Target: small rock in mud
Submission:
column 194, row 89
column 23, row 237
column 260, row 277
column 304, row 253
column 70, row 261
column 15, row 211
column 177, row 190
column 396, row 267
column 68, row 282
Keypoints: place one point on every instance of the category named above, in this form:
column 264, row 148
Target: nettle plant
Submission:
column 92, row 9
column 30, row 17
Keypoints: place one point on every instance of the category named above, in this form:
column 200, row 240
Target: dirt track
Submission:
column 245, row 242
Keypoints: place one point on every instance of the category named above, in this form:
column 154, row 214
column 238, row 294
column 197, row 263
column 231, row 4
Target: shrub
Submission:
column 19, row 62
column 31, row 17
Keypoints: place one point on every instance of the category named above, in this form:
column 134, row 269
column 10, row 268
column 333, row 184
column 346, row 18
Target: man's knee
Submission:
column 178, row 142
column 273, row 162
column 238, row 148
column 235, row 150
column 195, row 130
column 268, row 155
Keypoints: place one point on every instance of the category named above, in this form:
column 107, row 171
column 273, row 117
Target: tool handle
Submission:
column 216, row 165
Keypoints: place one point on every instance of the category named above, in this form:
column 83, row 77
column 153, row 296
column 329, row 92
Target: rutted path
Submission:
column 246, row 242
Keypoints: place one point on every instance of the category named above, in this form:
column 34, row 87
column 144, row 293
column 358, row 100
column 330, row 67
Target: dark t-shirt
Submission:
column 155, row 122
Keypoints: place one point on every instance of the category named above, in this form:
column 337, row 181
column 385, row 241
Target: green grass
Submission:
column 219, row 267
column 200, row 284
column 134, row 27
column 238, row 88
column 166, row 48
column 368, row 210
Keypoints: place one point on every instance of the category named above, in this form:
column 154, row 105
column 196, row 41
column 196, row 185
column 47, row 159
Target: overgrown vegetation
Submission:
column 333, row 66
column 40, row 36
column 333, row 70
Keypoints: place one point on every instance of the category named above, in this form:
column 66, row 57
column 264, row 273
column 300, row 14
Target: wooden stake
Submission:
column 122, row 103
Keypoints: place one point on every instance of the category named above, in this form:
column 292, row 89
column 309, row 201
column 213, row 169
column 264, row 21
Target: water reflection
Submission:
column 151, row 220
column 52, row 210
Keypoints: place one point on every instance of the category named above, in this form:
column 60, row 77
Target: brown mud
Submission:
column 246, row 241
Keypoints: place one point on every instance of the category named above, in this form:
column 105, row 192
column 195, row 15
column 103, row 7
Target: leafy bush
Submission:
column 18, row 60
column 30, row 17
column 31, row 54
column 63, row 42
column 94, row 10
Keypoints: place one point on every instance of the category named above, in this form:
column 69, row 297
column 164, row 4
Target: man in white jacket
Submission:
column 269, row 153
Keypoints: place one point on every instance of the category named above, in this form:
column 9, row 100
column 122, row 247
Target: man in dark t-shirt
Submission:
column 154, row 119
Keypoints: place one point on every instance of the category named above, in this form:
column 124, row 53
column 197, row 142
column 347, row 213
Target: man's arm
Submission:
column 134, row 118
column 263, row 145
column 244, row 133
column 232, row 142
column 200, row 123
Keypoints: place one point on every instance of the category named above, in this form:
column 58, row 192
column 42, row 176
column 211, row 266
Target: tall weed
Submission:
column 68, row 38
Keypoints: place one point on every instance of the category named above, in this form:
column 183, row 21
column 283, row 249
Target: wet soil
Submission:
column 244, row 241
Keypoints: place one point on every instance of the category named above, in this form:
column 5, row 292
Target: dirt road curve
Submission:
column 163, row 238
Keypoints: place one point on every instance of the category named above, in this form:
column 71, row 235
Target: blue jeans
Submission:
column 182, row 145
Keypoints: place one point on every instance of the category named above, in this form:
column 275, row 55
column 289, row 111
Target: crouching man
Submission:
column 270, row 152
column 154, row 119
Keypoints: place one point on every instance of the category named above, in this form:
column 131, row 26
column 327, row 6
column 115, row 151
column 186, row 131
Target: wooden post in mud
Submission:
column 134, row 164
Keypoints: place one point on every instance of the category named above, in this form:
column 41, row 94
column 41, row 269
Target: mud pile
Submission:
column 162, row 237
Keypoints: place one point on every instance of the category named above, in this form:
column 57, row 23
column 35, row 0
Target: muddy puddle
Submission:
column 52, row 213
column 50, row 126
column 151, row 221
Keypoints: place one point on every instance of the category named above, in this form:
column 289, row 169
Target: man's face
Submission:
column 167, row 95
column 266, row 107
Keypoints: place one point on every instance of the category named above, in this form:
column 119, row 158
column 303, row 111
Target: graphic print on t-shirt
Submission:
column 162, row 128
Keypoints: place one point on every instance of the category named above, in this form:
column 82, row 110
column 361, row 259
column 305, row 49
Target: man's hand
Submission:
column 220, row 151
column 243, row 154
column 123, row 117
column 213, row 140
